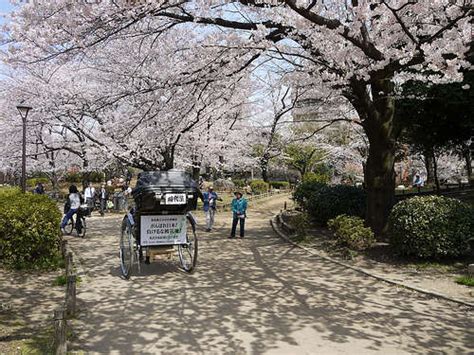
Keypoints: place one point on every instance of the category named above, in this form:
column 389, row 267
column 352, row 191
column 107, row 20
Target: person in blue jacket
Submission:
column 209, row 205
column 239, row 213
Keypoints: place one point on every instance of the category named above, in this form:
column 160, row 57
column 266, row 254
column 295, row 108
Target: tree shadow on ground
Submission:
column 27, row 302
column 256, row 295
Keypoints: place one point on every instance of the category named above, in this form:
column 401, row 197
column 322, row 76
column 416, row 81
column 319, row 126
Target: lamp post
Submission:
column 23, row 109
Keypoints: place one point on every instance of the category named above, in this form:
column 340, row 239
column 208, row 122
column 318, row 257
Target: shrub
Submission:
column 305, row 190
column 324, row 202
column 317, row 177
column 29, row 230
column 431, row 226
column 90, row 176
column 259, row 186
column 240, row 183
column 282, row 185
column 350, row 232
column 339, row 199
column 93, row 176
column 73, row 177
column 34, row 181
column 300, row 223
column 223, row 185
column 321, row 176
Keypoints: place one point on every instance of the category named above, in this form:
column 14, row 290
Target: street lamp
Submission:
column 23, row 108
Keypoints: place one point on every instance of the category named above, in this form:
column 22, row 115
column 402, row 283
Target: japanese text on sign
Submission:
column 162, row 230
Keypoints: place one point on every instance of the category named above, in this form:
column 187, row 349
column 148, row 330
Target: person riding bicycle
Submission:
column 72, row 205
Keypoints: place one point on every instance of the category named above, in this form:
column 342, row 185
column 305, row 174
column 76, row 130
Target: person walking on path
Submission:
column 89, row 195
column 239, row 213
column 209, row 199
column 72, row 205
column 103, row 197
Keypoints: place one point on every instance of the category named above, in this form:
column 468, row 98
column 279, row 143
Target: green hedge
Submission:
column 324, row 202
column 240, row 183
column 73, row 178
column 35, row 181
column 351, row 232
column 259, row 186
column 90, row 176
column 431, row 227
column 323, row 178
column 93, row 176
column 282, row 185
column 29, row 230
column 305, row 190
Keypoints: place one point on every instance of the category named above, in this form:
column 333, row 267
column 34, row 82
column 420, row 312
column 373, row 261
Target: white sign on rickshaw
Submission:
column 162, row 230
column 175, row 199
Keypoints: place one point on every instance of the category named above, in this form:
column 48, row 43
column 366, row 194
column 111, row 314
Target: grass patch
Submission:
column 300, row 238
column 54, row 263
column 446, row 266
column 61, row 280
column 20, row 338
column 41, row 343
column 465, row 280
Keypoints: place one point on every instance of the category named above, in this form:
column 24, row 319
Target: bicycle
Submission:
column 80, row 227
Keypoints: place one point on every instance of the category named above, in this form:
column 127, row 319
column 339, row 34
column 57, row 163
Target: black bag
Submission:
column 67, row 206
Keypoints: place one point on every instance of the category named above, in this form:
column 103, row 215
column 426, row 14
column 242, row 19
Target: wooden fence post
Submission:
column 71, row 295
column 60, row 332
column 69, row 264
column 63, row 248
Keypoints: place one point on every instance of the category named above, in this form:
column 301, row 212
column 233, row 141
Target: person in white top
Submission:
column 74, row 200
column 127, row 191
column 103, row 198
column 89, row 195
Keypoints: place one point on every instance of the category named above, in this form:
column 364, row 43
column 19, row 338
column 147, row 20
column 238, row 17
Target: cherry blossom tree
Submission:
column 362, row 49
column 139, row 114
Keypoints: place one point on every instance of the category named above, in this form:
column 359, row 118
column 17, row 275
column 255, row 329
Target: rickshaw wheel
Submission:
column 188, row 252
column 126, row 250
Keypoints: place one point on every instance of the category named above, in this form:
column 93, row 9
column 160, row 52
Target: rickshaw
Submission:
column 161, row 222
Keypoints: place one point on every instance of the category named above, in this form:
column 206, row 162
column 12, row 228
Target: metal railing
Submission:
column 445, row 189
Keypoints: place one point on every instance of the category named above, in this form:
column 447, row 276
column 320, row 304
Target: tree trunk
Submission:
column 53, row 177
column 264, row 167
column 429, row 166
column 435, row 173
column 303, row 171
column 168, row 159
column 466, row 153
column 264, row 173
column 377, row 114
column 380, row 182
column 54, row 181
column 196, row 170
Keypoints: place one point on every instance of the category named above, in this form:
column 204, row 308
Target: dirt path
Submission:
column 27, row 302
column 253, row 296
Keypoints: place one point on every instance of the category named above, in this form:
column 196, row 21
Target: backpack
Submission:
column 67, row 206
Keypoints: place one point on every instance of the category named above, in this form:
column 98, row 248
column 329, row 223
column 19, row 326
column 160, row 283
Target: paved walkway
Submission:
column 253, row 296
